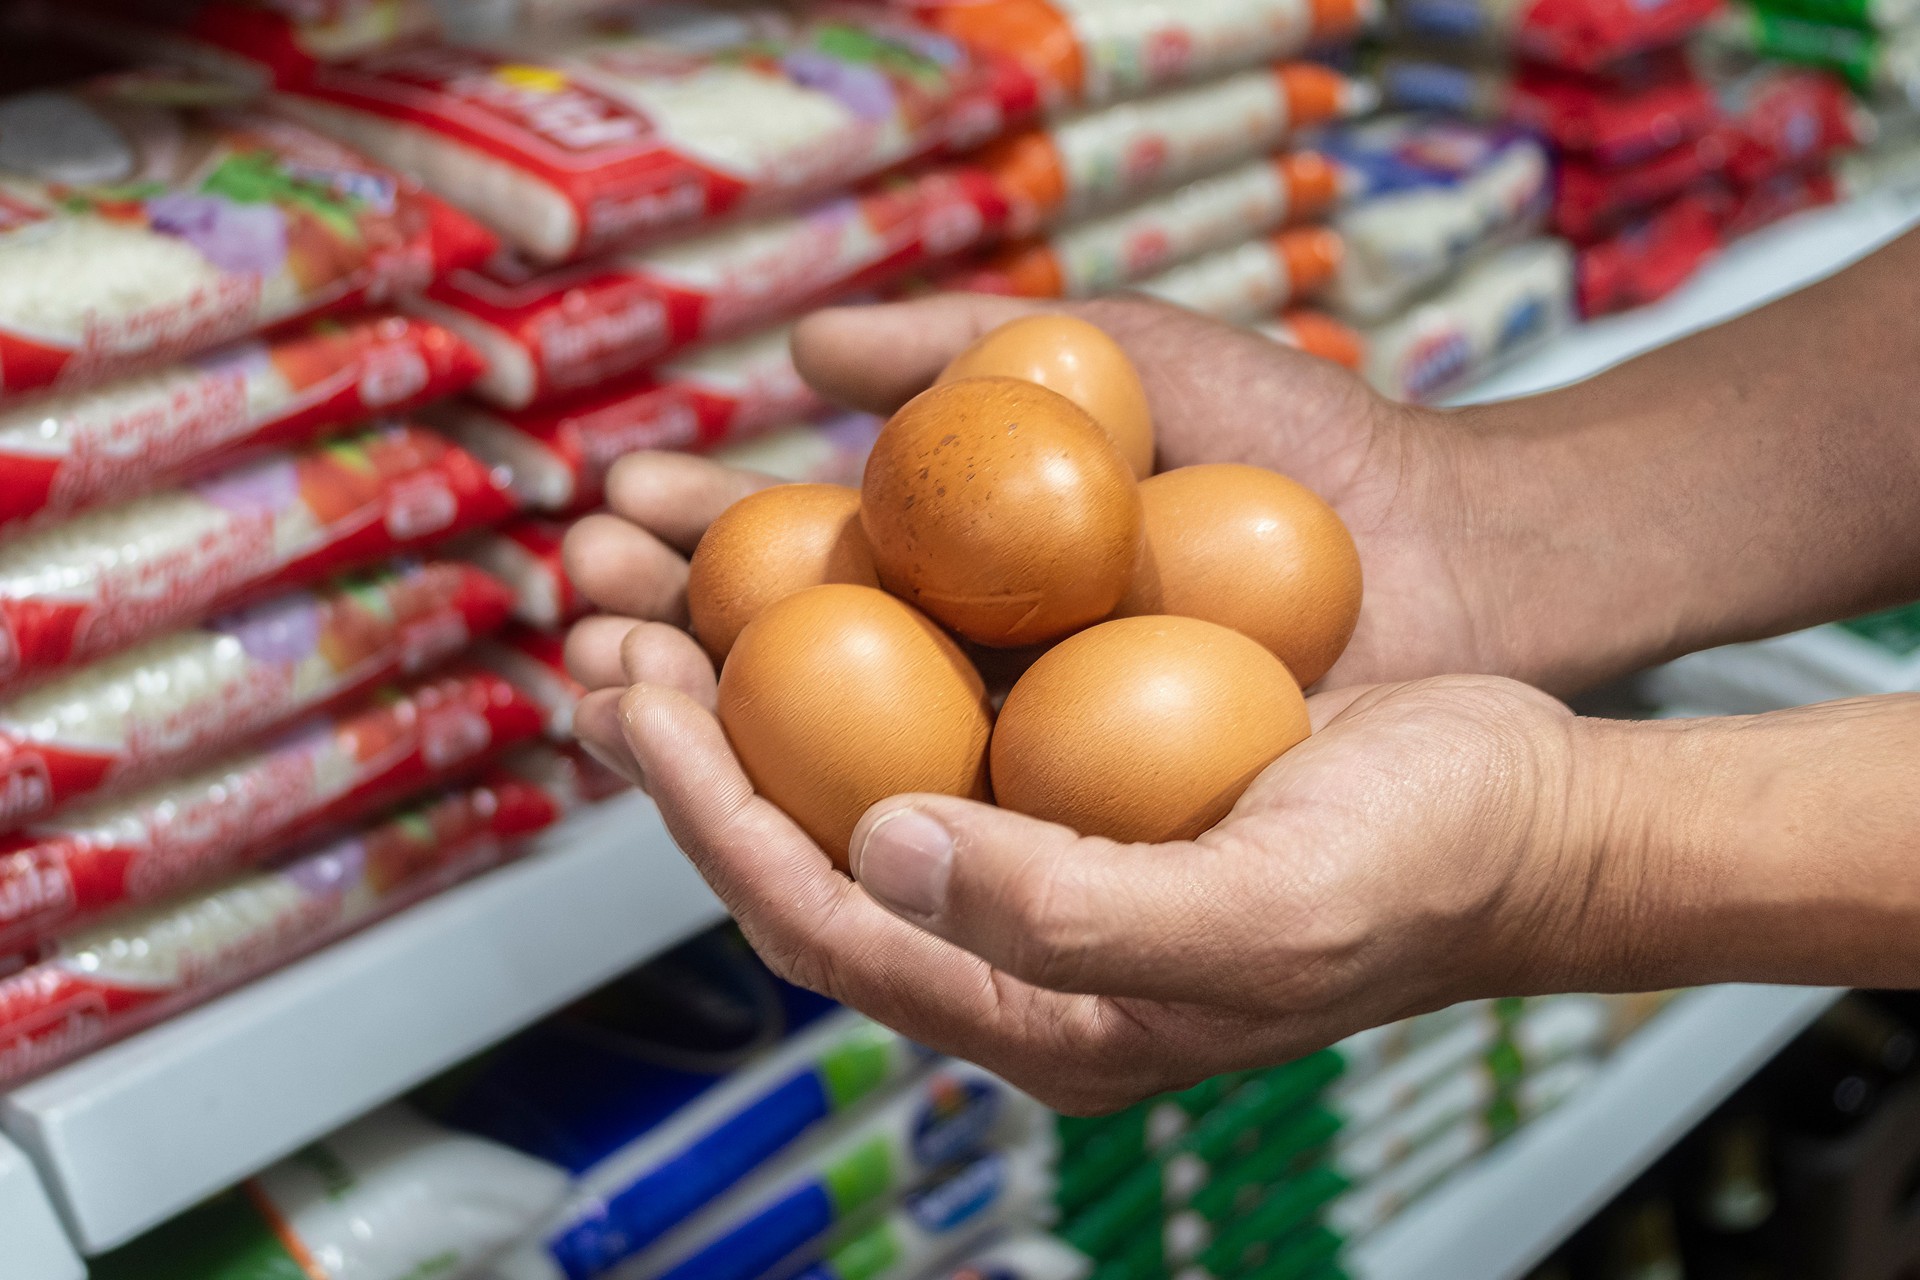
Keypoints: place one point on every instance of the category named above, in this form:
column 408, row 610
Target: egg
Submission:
column 1144, row 728
column 1079, row 361
column 1002, row 510
column 767, row 546
column 1252, row 550
column 838, row 696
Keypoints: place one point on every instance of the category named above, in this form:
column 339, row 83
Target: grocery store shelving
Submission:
column 131, row 1135
column 33, row 1245
column 1511, row 1209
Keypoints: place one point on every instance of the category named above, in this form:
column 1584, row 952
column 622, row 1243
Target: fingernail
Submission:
column 905, row 862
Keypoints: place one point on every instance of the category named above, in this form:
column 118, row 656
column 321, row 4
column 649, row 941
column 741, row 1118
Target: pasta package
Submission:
column 78, row 449
column 135, row 231
column 593, row 139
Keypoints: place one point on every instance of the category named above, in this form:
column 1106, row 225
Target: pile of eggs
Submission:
column 1008, row 518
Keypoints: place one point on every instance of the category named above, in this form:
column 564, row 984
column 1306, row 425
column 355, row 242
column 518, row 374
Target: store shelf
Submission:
column 131, row 1135
column 33, row 1245
column 1507, row 1212
column 1758, row 269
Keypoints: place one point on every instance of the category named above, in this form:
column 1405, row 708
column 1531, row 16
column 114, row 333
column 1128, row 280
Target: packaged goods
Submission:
column 1248, row 281
column 175, row 701
column 1088, row 52
column 525, row 554
column 99, row 983
column 589, row 140
column 1879, row 653
column 1782, row 118
column 536, row 663
column 1100, row 160
column 99, row 581
column 545, row 334
column 1743, row 212
column 1438, row 192
column 1499, row 307
column 1884, row 65
column 1105, row 253
column 1579, row 35
column 832, row 451
column 1648, row 259
column 79, row 449
column 558, row 457
column 390, row 1197
column 176, row 834
column 1864, row 15
column 1317, row 334
column 133, row 232
column 1591, row 200
column 1023, row 1255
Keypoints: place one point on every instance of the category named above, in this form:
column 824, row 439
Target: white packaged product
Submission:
column 1251, row 281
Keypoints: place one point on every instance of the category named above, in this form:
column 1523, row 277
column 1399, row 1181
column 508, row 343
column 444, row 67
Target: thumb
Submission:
column 880, row 356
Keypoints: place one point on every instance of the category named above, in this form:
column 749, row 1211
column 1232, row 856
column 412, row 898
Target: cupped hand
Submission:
column 1424, row 846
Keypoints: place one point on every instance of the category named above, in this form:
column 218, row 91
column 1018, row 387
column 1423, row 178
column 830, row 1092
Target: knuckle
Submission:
column 1051, row 933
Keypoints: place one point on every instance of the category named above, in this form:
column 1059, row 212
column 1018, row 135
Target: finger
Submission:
column 1055, row 908
column 675, row 496
column 596, row 723
column 657, row 654
column 1324, row 708
column 839, row 350
column 626, row 570
column 592, row 651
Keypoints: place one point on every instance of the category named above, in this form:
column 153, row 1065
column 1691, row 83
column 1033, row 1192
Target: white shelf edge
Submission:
column 1512, row 1208
column 33, row 1244
column 131, row 1135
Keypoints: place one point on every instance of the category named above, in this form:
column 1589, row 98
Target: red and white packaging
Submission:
column 177, row 834
column 557, row 457
column 78, row 449
column 1578, row 35
column 1631, row 113
column 134, row 233
column 591, row 140
column 1781, row 119
column 1590, row 200
column 176, row 701
column 1649, row 259
column 99, row 983
column 553, row 333
column 525, row 554
column 1252, row 280
column 1317, row 334
column 536, row 662
column 100, row 581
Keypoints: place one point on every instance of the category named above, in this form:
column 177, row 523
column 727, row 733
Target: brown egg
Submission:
column 769, row 545
column 1079, row 361
column 837, row 697
column 1250, row 549
column 1144, row 728
column 1002, row 510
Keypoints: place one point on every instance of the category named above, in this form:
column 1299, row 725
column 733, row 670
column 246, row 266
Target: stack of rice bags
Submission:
column 204, row 728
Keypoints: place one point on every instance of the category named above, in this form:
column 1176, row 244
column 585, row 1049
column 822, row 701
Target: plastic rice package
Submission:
column 1750, row 209
column 1317, row 334
column 176, row 834
column 1878, row 65
column 78, row 449
column 1251, row 280
column 1580, row 35
column 1089, row 52
column 1107, row 252
column 98, row 983
column 1099, row 160
column 831, row 451
column 1498, row 308
column 590, row 140
column 101, row 580
column 392, row 1196
column 557, row 457
column 1438, row 192
column 1784, row 118
column 545, row 334
column 1648, row 259
column 176, row 701
column 525, row 554
column 1591, row 200
column 536, row 663
column 1021, row 1255
column 133, row 232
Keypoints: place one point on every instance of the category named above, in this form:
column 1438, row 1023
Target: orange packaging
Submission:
column 1317, row 334
column 1253, row 279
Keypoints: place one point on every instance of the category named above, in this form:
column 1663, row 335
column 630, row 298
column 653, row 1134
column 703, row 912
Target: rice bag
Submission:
column 101, row 580
column 544, row 334
column 1317, row 334
column 1438, row 192
column 133, row 232
column 176, row 834
column 1099, row 160
column 1579, row 35
column 391, row 1196
column 586, row 141
column 1648, row 259
column 557, row 458
column 536, row 663
column 175, row 701
column 1750, row 209
column 1785, row 118
column 101, row 982
column 1248, row 281
column 1106, row 253
column 1880, row 65
column 1091, row 52
column 78, row 449
column 525, row 554
column 1591, row 200
column 1499, row 307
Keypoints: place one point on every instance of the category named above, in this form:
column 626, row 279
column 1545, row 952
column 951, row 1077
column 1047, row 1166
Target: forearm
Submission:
column 1751, row 479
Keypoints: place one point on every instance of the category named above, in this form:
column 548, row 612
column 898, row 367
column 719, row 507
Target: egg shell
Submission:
column 1077, row 359
column 1144, row 729
column 1252, row 550
column 839, row 696
column 767, row 546
column 1002, row 510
